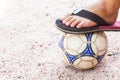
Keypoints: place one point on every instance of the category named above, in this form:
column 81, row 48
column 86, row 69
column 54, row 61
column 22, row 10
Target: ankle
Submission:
column 111, row 7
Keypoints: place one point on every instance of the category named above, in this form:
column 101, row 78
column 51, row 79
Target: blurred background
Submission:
column 28, row 43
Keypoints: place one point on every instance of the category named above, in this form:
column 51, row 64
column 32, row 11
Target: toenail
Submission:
column 77, row 26
column 63, row 21
column 72, row 25
column 67, row 23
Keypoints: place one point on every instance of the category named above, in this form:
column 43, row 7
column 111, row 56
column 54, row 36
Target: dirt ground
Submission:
column 29, row 38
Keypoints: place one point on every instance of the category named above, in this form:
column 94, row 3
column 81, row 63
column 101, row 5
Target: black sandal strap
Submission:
column 92, row 16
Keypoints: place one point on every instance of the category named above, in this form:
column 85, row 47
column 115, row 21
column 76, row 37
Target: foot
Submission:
column 104, row 10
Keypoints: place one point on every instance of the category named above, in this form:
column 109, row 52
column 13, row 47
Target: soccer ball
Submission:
column 84, row 51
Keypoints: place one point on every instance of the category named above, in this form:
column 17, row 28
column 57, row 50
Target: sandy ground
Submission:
column 28, row 43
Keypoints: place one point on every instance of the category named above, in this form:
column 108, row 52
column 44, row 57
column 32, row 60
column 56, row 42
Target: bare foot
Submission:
column 106, row 11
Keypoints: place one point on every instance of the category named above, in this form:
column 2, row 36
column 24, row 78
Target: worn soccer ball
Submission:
column 84, row 51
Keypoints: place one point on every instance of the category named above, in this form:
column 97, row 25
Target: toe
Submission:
column 75, row 23
column 70, row 21
column 67, row 19
column 89, row 23
column 63, row 18
column 80, row 25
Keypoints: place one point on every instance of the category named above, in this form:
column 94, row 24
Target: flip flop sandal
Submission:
column 101, row 24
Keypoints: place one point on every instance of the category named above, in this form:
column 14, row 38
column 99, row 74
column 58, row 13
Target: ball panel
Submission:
column 94, row 48
column 72, row 52
column 94, row 62
column 84, row 65
column 65, row 40
column 87, row 58
column 82, row 48
column 99, row 43
column 77, row 61
column 72, row 42
column 83, row 37
column 94, row 37
column 65, row 58
column 85, row 62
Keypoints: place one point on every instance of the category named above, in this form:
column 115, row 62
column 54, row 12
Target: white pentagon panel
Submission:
column 94, row 48
column 65, row 40
column 72, row 42
column 83, row 37
column 100, row 43
column 94, row 37
column 94, row 61
column 77, row 61
column 82, row 48
column 87, row 58
column 84, row 64
column 72, row 52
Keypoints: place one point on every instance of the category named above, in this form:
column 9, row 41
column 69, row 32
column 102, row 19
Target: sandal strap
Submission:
column 92, row 16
